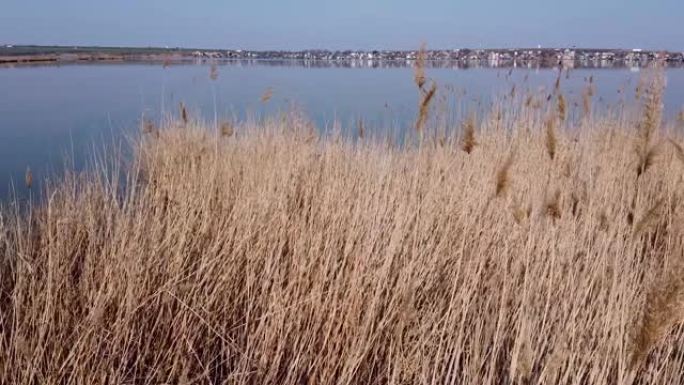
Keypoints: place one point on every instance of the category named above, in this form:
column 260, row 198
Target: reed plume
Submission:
column 148, row 126
column 529, row 101
column 267, row 95
column 587, row 94
column 653, row 108
column 419, row 69
column 649, row 218
column 28, row 178
column 227, row 129
column 553, row 206
column 646, row 159
column 663, row 310
column 550, row 137
column 520, row 213
column 361, row 128
column 679, row 151
column 562, row 108
column 650, row 123
column 424, row 107
column 183, row 113
column 468, row 141
column 502, row 180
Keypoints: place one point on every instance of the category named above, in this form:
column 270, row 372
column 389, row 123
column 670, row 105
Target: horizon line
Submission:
column 76, row 46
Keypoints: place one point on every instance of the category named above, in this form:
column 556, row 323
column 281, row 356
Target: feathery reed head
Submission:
column 552, row 206
column 424, row 107
column 663, row 310
column 227, row 129
column 652, row 108
column 646, row 159
column 148, row 126
column 468, row 141
column 586, row 100
column 28, row 178
column 183, row 113
column 520, row 213
column 419, row 69
column 679, row 151
column 649, row 218
column 502, row 180
column 361, row 128
column 550, row 140
column 267, row 95
column 562, row 108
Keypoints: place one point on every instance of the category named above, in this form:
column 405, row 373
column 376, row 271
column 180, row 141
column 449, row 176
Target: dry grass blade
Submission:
column 523, row 355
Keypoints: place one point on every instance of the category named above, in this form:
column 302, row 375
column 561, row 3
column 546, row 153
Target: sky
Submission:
column 346, row 24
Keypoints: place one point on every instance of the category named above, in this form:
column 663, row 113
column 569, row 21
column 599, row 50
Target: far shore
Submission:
column 523, row 57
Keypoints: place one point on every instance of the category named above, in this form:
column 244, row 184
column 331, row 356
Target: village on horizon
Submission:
column 567, row 57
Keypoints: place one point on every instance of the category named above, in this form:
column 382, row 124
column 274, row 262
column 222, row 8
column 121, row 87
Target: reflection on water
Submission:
column 49, row 111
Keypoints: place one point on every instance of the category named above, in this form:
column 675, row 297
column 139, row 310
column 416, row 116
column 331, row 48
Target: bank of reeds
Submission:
column 269, row 254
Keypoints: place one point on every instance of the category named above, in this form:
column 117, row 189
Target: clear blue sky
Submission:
column 339, row 24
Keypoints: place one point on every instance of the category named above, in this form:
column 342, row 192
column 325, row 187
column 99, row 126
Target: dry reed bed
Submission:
column 526, row 251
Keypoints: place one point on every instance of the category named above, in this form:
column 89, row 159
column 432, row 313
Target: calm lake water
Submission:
column 49, row 112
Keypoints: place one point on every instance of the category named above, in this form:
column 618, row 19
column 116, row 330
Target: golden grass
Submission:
column 279, row 256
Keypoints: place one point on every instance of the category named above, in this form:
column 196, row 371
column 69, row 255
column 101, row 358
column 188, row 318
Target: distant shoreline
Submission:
column 540, row 57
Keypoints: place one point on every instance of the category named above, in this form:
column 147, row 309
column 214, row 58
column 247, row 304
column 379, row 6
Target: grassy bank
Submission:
column 520, row 248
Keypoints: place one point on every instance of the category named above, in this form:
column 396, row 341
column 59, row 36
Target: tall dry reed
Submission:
column 286, row 256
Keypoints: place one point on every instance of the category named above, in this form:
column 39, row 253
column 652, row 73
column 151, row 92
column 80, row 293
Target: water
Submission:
column 50, row 113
